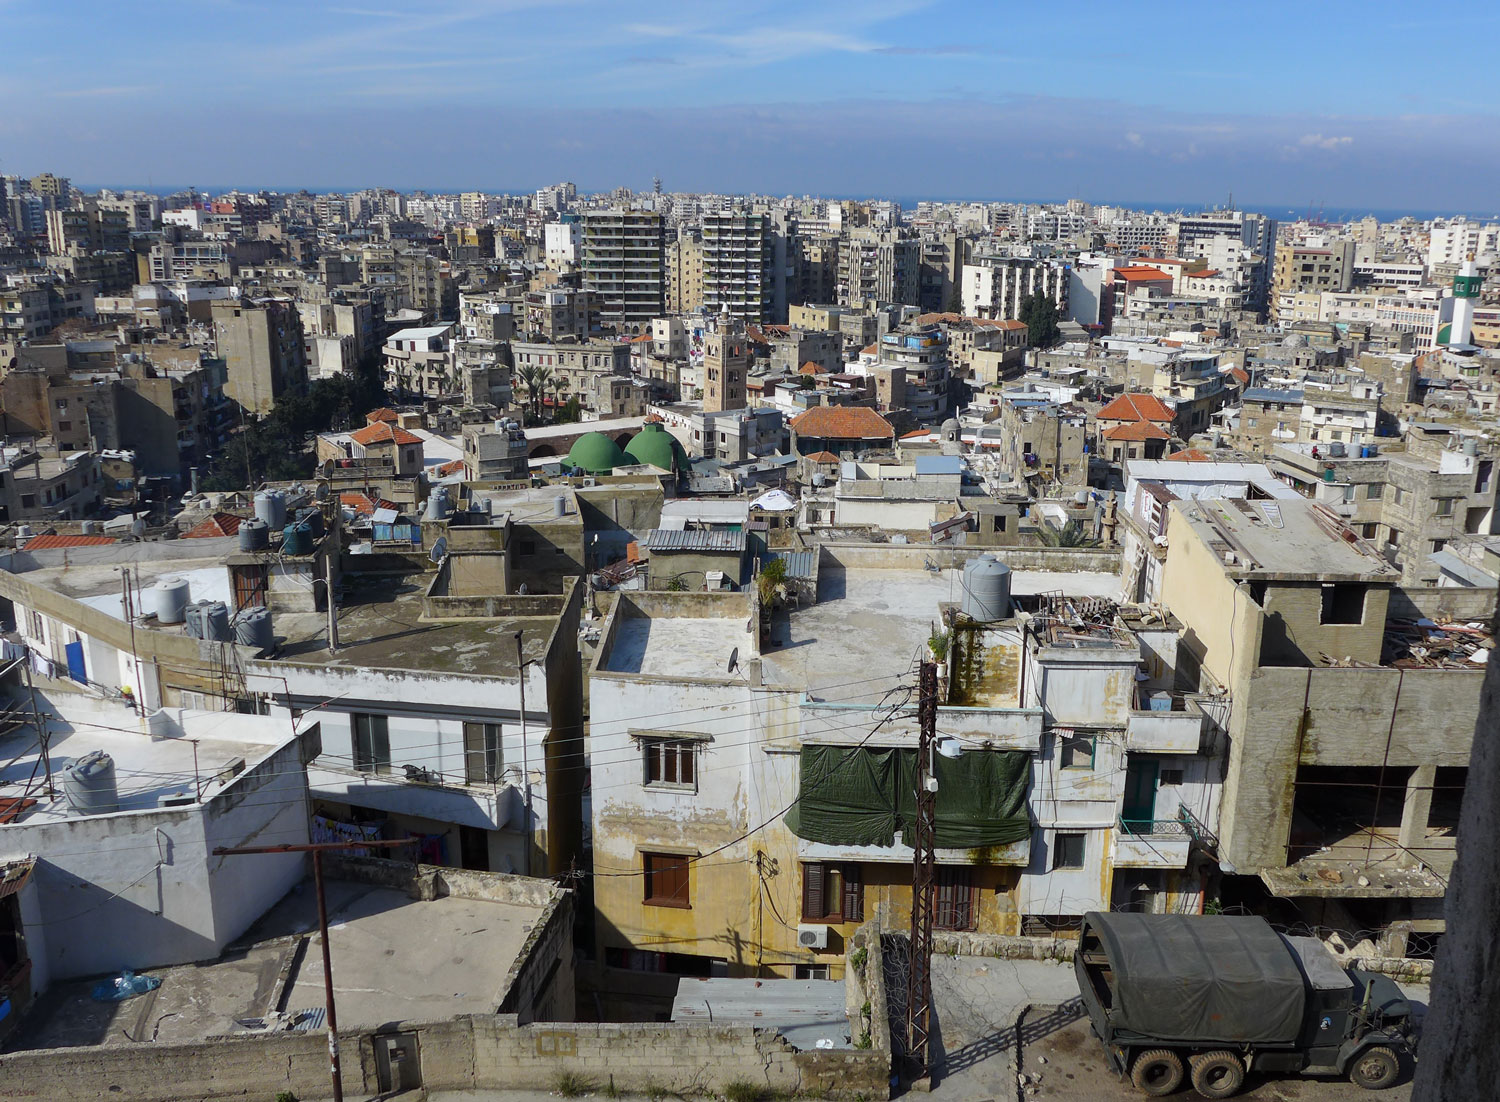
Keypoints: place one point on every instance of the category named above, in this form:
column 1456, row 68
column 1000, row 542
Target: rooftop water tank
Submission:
column 986, row 589
column 209, row 620
column 439, row 505
column 252, row 628
column 168, row 599
column 560, row 505
column 312, row 519
column 89, row 785
column 254, row 535
column 91, row 528
column 270, row 508
column 296, row 540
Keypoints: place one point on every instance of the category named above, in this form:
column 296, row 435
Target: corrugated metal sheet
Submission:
column 799, row 564
column 697, row 540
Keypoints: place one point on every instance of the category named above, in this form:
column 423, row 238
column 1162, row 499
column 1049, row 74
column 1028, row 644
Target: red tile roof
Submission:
column 1136, row 407
column 384, row 413
column 867, row 348
column 1191, row 455
column 1136, row 430
column 383, row 433
column 810, row 368
column 44, row 543
column 219, row 524
column 821, row 457
column 1139, row 273
column 916, row 434
column 842, row 423
column 456, row 465
column 1239, row 374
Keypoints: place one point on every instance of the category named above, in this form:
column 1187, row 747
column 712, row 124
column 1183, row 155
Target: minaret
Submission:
column 1466, row 285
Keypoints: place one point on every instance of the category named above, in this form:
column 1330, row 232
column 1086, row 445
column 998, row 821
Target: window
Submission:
column 1171, row 777
column 832, row 893
column 483, row 759
column 666, row 879
column 953, row 906
column 28, row 501
column 1375, row 491
column 62, row 405
column 1399, row 494
column 65, row 426
column 670, row 762
column 1068, row 850
column 812, row 971
column 1438, row 545
column 1349, row 492
column 1075, row 751
column 1343, row 603
column 372, row 744
column 1445, row 506
column 36, row 629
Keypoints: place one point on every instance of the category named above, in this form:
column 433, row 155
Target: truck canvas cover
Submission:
column 1201, row 977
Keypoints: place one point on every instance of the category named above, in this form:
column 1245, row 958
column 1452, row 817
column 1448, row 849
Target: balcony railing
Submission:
column 1154, row 828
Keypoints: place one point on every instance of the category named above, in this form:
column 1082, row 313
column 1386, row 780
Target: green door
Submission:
column 1139, row 806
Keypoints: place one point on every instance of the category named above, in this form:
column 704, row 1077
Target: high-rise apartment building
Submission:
column 737, row 265
column 1301, row 268
column 726, row 364
column 262, row 348
column 622, row 265
column 879, row 266
column 994, row 286
column 684, row 275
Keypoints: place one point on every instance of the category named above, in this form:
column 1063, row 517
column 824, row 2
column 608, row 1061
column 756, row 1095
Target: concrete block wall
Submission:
column 891, row 556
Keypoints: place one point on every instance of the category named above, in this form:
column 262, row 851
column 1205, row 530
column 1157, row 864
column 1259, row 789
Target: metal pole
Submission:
column 197, row 780
column 924, row 861
column 332, row 601
column 333, row 1019
column 43, row 735
column 525, row 752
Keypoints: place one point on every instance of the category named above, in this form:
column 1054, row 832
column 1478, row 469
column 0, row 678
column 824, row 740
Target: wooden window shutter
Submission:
column 854, row 894
column 813, row 906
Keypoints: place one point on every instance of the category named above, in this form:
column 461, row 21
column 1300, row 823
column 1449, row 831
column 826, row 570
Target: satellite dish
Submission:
column 734, row 659
column 439, row 549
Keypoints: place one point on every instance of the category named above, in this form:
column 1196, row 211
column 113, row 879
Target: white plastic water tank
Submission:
column 168, row 599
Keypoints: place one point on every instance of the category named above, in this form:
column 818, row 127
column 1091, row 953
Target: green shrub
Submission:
column 571, row 1085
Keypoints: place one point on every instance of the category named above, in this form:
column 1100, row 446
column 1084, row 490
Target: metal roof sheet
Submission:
column 661, row 539
column 799, row 564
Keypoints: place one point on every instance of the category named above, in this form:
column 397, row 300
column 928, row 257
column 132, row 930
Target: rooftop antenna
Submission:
column 734, row 660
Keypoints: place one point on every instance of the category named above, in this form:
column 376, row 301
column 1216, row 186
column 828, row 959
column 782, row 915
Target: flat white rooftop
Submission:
column 677, row 646
column 148, row 769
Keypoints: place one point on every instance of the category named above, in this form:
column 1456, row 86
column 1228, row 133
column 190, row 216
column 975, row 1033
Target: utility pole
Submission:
column 923, row 879
column 317, row 849
column 525, row 752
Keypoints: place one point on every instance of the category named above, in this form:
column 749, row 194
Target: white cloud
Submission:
column 1318, row 141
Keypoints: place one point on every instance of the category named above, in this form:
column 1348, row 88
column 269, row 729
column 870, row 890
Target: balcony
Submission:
column 1152, row 844
column 1178, row 731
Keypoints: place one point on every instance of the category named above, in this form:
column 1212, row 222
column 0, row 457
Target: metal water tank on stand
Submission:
column 986, row 589
column 270, row 508
column 168, row 599
column 252, row 628
column 254, row 535
column 89, row 785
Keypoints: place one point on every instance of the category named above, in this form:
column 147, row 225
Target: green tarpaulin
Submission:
column 862, row 796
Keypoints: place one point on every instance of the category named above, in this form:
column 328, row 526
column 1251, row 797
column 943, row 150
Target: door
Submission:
column 1139, row 806
column 249, row 586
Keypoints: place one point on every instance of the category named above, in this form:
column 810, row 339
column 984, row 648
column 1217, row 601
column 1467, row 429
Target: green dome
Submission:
column 658, row 447
column 595, row 453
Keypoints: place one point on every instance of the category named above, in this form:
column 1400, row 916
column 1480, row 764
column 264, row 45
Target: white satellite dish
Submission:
column 439, row 549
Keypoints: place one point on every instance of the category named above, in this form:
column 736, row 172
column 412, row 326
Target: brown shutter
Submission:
column 854, row 894
column 686, row 751
column 813, row 906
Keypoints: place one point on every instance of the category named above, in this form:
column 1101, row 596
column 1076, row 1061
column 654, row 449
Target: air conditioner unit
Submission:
column 812, row 937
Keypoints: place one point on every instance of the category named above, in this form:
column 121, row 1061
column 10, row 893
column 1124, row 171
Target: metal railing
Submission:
column 1153, row 828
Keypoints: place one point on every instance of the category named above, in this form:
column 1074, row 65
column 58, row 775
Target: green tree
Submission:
column 1039, row 313
column 535, row 382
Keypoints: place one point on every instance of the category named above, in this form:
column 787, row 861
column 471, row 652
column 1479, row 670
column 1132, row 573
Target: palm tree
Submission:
column 560, row 390
column 535, row 381
column 1071, row 534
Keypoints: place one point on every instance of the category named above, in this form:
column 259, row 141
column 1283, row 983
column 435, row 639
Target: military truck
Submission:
column 1212, row 997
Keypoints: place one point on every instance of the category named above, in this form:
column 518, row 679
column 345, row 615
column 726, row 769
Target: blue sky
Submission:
column 1376, row 105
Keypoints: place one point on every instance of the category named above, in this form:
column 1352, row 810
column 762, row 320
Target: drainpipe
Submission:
column 525, row 755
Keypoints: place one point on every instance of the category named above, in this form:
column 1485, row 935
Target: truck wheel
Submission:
column 1375, row 1068
column 1218, row 1074
column 1157, row 1072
